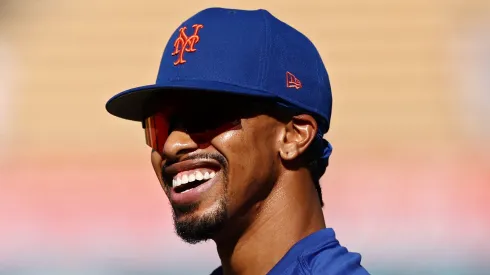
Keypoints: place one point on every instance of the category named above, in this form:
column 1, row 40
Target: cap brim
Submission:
column 130, row 104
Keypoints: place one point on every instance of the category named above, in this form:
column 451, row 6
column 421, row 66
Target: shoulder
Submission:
column 335, row 261
column 332, row 258
column 320, row 253
column 217, row 271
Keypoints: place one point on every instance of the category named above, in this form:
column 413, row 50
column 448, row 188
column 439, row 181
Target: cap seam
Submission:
column 321, row 82
column 265, row 66
column 259, row 89
column 319, row 79
column 215, row 81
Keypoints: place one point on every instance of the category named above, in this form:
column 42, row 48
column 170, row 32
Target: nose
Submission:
column 177, row 144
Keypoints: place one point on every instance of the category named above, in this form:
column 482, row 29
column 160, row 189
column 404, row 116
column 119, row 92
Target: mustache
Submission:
column 215, row 156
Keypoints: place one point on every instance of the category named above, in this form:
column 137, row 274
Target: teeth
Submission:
column 191, row 177
column 199, row 175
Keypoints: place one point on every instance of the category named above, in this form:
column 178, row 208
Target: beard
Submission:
column 202, row 228
column 195, row 229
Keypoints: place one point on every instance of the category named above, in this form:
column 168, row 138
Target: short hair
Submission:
column 315, row 166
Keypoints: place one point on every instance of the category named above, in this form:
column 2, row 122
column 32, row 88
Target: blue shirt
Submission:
column 319, row 253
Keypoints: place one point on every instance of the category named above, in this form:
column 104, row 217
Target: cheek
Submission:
column 234, row 147
column 260, row 148
column 250, row 153
column 228, row 137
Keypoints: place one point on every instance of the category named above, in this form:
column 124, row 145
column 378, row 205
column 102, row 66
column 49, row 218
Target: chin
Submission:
column 197, row 225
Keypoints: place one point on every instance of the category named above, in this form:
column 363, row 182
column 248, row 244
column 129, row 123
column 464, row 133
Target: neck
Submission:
column 257, row 241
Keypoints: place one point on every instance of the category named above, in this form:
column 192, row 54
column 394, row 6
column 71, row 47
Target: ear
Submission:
column 298, row 134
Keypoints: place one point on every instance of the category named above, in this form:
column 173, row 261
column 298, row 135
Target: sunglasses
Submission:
column 204, row 120
column 201, row 124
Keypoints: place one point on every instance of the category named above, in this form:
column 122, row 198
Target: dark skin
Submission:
column 266, row 198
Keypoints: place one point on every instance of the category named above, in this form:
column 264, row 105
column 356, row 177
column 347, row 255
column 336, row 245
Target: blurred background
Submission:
column 409, row 182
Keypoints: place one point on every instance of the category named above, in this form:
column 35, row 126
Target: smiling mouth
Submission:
column 187, row 180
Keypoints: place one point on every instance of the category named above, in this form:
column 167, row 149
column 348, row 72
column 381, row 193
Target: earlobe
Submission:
column 288, row 151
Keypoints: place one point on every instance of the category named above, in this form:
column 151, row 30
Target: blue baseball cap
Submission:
column 241, row 52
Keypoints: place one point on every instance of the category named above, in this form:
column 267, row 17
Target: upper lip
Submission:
column 170, row 171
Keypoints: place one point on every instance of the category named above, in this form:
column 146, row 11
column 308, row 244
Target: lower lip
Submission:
column 192, row 195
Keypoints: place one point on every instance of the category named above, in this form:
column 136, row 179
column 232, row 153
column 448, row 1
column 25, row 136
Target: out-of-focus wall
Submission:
column 409, row 180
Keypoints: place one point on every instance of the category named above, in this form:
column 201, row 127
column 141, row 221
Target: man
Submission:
column 236, row 121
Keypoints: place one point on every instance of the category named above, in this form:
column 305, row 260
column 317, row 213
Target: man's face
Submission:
column 218, row 161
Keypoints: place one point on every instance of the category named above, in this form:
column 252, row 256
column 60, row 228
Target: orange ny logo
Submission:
column 185, row 43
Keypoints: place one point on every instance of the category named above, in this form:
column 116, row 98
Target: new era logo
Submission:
column 292, row 81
